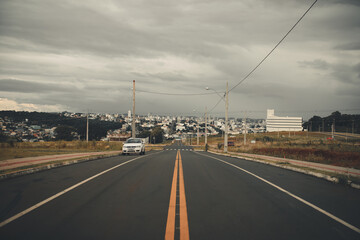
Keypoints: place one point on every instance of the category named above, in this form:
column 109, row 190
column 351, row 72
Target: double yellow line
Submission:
column 183, row 222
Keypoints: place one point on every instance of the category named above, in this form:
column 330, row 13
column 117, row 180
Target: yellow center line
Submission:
column 170, row 225
column 184, row 225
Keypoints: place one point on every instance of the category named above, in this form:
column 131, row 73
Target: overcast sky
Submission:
column 77, row 55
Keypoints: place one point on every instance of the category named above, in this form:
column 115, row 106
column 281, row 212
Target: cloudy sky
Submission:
column 78, row 55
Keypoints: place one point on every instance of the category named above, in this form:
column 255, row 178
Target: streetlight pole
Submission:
column 226, row 118
column 197, row 134
column 205, row 126
column 133, row 135
column 87, row 127
column 245, row 130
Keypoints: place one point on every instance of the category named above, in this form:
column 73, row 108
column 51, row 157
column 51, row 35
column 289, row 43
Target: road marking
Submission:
column 339, row 220
column 63, row 192
column 170, row 224
column 184, row 225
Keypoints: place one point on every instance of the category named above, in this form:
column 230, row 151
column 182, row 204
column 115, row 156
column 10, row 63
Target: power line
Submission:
column 215, row 105
column 272, row 50
column 247, row 76
column 175, row 94
column 251, row 72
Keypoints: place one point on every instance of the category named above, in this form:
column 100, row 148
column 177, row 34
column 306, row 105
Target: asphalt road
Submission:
column 131, row 200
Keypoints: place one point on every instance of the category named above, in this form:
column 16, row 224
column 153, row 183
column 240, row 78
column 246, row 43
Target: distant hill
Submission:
column 97, row 128
column 343, row 123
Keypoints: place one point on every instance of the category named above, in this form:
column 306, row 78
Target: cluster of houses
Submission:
column 172, row 126
column 24, row 132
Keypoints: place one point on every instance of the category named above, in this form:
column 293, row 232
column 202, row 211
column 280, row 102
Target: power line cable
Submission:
column 176, row 94
column 215, row 105
column 272, row 50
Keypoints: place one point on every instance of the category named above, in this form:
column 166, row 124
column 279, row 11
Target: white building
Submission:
column 275, row 123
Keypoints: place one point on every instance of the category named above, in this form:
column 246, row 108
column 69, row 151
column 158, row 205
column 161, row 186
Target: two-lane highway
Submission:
column 176, row 193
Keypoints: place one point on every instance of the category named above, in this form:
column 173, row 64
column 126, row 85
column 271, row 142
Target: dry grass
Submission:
column 303, row 146
column 26, row 149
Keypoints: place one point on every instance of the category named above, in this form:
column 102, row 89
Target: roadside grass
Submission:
column 312, row 147
column 47, row 165
column 27, row 149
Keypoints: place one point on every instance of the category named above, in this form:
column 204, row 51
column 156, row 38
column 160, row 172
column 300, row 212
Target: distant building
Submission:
column 275, row 123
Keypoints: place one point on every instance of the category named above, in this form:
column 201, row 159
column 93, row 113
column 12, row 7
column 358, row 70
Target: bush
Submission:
column 267, row 139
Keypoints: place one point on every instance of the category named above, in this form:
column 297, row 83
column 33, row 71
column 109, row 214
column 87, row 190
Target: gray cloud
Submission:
column 82, row 54
column 20, row 86
column 348, row 46
column 317, row 64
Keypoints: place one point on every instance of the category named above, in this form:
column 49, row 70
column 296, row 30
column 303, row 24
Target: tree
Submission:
column 64, row 132
column 144, row 134
column 3, row 137
column 157, row 133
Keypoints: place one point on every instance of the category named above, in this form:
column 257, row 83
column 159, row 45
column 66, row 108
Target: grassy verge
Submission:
column 25, row 149
column 46, row 165
column 312, row 147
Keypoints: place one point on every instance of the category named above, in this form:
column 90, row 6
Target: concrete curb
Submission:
column 307, row 171
column 54, row 164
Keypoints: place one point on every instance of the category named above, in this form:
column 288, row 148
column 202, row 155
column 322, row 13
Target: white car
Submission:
column 133, row 145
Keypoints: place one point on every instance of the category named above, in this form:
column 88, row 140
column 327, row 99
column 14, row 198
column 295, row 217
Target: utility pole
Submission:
column 133, row 135
column 226, row 118
column 87, row 127
column 245, row 130
column 323, row 126
column 333, row 129
column 205, row 126
column 197, row 138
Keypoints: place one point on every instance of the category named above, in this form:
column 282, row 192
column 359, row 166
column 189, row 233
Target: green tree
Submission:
column 64, row 132
column 3, row 137
column 157, row 134
column 144, row 134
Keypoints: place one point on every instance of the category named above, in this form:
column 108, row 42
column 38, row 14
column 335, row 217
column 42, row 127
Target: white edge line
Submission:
column 352, row 227
column 3, row 223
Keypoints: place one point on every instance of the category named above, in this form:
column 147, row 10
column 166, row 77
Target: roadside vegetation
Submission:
column 27, row 149
column 313, row 147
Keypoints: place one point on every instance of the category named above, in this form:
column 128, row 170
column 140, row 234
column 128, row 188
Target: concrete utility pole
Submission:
column 226, row 118
column 133, row 135
column 205, row 126
column 87, row 127
column 197, row 137
column 333, row 129
column 245, row 130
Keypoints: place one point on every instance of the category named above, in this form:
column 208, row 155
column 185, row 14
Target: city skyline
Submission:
column 73, row 56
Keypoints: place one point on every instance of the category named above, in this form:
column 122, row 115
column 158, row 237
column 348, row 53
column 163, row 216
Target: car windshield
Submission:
column 133, row 141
